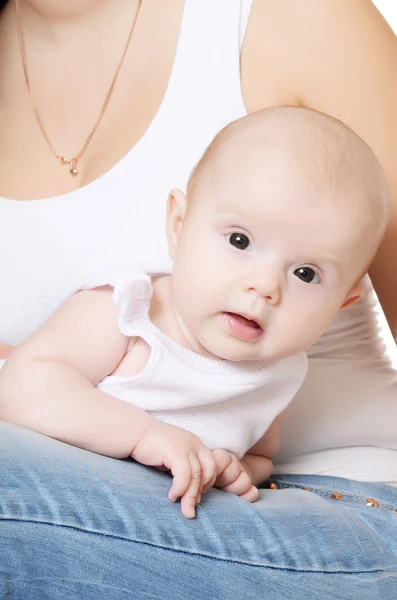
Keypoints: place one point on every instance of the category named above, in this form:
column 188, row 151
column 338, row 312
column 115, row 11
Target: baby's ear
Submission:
column 176, row 210
column 353, row 296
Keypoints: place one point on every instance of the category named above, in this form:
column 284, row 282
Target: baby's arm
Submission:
column 259, row 459
column 48, row 382
column 241, row 477
column 48, row 385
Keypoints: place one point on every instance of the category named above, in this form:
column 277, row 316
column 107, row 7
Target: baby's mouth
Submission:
column 242, row 327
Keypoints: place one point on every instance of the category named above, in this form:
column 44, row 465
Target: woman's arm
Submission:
column 339, row 58
column 48, row 383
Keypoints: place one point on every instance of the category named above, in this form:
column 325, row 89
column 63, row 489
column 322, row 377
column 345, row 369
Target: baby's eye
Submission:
column 307, row 275
column 239, row 240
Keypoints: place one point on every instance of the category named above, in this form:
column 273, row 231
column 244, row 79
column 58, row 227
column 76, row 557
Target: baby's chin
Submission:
column 237, row 351
column 240, row 352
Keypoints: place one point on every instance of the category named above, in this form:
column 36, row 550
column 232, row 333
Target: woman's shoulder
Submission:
column 305, row 48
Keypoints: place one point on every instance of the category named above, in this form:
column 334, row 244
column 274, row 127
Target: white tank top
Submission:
column 344, row 420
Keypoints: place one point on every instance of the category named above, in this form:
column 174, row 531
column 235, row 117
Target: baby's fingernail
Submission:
column 198, row 500
column 189, row 513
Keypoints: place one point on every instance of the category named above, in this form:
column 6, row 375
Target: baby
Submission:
column 191, row 371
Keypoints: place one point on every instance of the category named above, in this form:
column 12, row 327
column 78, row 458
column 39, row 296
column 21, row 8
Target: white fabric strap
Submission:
column 246, row 6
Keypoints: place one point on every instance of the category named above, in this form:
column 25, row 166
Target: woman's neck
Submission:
column 63, row 21
column 63, row 36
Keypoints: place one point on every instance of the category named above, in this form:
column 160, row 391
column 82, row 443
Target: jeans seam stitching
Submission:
column 184, row 551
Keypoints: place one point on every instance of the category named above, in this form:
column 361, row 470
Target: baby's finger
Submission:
column 192, row 494
column 222, row 459
column 241, row 485
column 252, row 495
column 182, row 474
column 208, row 469
column 230, row 473
column 199, row 495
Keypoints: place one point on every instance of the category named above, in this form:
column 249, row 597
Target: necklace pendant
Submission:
column 71, row 162
column 73, row 167
column 63, row 160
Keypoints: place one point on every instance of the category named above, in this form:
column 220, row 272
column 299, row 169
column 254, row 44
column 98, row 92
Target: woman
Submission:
column 90, row 120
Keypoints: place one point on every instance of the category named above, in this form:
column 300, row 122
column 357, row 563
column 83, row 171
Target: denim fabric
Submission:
column 76, row 525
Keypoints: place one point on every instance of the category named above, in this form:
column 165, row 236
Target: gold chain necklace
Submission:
column 72, row 162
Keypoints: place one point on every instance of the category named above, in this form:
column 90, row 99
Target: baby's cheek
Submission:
column 299, row 334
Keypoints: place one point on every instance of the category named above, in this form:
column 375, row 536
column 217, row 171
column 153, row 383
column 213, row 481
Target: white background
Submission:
column 388, row 8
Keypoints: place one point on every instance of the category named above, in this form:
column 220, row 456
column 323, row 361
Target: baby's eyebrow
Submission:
column 328, row 261
column 226, row 212
column 236, row 217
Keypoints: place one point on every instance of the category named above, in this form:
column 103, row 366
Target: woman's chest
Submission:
column 48, row 246
column 46, row 251
column 106, row 88
column 119, row 217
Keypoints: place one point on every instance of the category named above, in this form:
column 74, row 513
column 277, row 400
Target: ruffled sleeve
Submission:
column 132, row 293
column 132, row 296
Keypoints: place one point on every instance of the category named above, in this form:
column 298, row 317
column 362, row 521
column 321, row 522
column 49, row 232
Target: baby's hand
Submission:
column 185, row 456
column 233, row 476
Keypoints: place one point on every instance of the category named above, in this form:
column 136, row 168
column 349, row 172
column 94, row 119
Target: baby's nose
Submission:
column 268, row 286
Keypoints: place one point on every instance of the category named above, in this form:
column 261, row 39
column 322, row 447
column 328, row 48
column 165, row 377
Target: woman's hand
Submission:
column 191, row 464
column 233, row 475
column 5, row 350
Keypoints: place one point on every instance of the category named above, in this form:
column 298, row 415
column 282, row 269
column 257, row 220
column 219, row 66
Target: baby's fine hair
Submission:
column 329, row 153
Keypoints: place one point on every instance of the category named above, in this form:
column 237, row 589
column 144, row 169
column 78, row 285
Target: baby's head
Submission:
column 283, row 215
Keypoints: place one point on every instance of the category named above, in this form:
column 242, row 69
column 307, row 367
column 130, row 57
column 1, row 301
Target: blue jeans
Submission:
column 76, row 525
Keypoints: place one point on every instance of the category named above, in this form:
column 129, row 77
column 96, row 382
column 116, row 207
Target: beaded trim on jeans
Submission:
column 332, row 495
